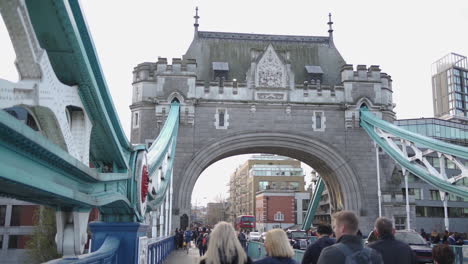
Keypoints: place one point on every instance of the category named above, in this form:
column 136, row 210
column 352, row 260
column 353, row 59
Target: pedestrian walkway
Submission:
column 181, row 256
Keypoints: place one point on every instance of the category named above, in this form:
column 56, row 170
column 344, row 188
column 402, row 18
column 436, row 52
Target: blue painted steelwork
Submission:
column 313, row 205
column 36, row 170
column 163, row 151
column 62, row 31
column 370, row 123
column 106, row 254
column 160, row 250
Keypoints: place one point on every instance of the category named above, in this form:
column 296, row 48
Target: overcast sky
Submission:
column 403, row 37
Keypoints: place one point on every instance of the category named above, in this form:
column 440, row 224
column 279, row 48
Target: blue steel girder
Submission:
column 161, row 158
column 381, row 131
column 62, row 31
column 313, row 204
column 34, row 169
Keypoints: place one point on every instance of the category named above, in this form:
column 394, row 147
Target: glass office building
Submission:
column 445, row 130
column 450, row 86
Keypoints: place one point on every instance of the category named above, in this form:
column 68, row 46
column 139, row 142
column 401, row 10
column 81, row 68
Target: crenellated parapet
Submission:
column 148, row 71
column 366, row 86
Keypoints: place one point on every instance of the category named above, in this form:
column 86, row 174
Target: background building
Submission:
column 16, row 225
column 265, row 177
column 429, row 210
column 450, row 87
column 216, row 212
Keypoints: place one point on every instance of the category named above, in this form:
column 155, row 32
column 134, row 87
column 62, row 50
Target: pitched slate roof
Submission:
column 235, row 49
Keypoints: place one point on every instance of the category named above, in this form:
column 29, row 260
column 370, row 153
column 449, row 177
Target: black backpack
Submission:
column 362, row 256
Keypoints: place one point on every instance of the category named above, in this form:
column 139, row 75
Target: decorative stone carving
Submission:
column 271, row 71
column 270, row 96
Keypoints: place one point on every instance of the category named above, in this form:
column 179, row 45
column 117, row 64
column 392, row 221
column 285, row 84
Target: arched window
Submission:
column 23, row 115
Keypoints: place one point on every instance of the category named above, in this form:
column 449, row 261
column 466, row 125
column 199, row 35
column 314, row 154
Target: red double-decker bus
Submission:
column 246, row 222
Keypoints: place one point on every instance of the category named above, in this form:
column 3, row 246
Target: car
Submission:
column 254, row 236
column 298, row 239
column 418, row 244
column 263, row 237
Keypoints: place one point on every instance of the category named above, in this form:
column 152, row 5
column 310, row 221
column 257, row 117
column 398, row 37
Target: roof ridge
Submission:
column 268, row 37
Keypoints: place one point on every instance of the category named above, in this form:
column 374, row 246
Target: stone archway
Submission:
column 345, row 187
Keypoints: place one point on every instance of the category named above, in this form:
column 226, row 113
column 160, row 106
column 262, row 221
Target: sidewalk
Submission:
column 180, row 256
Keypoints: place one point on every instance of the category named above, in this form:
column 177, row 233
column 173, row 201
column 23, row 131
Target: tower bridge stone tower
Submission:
column 253, row 93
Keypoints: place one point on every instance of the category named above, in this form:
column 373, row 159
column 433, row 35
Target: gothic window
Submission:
column 318, row 121
column 136, row 119
column 221, row 118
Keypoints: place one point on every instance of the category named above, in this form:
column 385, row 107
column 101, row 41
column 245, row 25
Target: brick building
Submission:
column 280, row 208
column 259, row 173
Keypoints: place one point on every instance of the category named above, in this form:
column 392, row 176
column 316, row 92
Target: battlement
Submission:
column 148, row 71
column 364, row 74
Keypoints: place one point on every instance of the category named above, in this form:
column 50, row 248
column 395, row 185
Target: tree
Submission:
column 41, row 244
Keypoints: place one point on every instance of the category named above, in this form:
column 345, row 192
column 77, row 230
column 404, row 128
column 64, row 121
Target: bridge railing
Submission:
column 159, row 249
column 256, row 251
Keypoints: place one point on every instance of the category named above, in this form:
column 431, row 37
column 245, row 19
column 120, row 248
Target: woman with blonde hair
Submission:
column 278, row 249
column 224, row 247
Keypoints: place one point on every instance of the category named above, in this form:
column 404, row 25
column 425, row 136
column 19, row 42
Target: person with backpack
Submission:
column 349, row 247
column 313, row 251
column 201, row 242
column 392, row 250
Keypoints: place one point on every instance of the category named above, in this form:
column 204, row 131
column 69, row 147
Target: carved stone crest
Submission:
column 270, row 96
column 271, row 71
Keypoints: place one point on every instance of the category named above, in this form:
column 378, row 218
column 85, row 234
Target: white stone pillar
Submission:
column 154, row 224
column 166, row 221
column 445, row 197
column 170, row 203
column 299, row 211
column 379, row 193
column 407, row 201
column 161, row 220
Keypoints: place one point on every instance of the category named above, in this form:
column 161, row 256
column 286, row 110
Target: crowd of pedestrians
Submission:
column 224, row 246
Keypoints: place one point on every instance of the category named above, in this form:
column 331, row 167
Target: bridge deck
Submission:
column 180, row 256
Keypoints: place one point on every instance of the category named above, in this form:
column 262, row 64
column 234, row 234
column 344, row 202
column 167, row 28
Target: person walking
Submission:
column 278, row 249
column 312, row 253
column 224, row 247
column 435, row 237
column 242, row 239
column 392, row 250
column 348, row 247
column 187, row 239
column 176, row 238
column 443, row 254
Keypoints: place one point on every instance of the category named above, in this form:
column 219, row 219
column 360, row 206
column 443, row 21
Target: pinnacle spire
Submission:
column 196, row 19
column 330, row 30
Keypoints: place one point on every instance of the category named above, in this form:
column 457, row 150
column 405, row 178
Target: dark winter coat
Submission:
column 275, row 260
column 333, row 254
column 312, row 253
column 393, row 251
